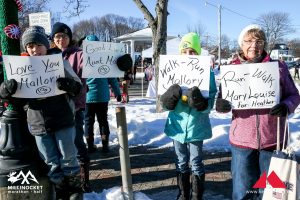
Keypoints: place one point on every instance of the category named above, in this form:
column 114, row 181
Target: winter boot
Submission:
column 90, row 143
column 84, row 177
column 197, row 187
column 60, row 190
column 74, row 188
column 105, row 143
column 183, row 182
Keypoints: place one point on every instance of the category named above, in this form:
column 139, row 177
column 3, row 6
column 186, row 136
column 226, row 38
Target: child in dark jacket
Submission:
column 97, row 100
column 51, row 120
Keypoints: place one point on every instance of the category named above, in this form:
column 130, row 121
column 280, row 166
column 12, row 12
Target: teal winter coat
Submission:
column 186, row 124
column 99, row 89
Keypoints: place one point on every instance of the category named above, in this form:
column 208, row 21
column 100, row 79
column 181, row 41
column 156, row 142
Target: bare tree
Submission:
column 30, row 6
column 107, row 27
column 198, row 28
column 276, row 25
column 75, row 7
column 158, row 25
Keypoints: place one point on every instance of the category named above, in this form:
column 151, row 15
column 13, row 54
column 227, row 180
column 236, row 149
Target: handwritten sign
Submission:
column 36, row 75
column 99, row 59
column 42, row 19
column 251, row 85
column 186, row 71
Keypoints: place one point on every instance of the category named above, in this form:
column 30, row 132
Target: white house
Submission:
column 137, row 41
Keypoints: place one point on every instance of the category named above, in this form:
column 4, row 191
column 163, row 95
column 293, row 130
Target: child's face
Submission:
column 35, row 49
column 61, row 40
column 188, row 51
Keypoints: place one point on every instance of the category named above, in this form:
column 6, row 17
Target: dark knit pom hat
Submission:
column 59, row 27
column 124, row 62
column 35, row 34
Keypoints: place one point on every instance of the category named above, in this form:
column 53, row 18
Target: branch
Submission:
column 78, row 7
column 147, row 15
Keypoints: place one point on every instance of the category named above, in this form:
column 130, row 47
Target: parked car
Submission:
column 291, row 64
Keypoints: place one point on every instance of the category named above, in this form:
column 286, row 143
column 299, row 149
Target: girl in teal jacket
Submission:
column 188, row 125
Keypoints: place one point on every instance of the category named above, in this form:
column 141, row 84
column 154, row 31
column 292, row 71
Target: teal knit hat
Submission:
column 190, row 40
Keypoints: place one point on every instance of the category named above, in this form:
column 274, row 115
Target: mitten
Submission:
column 196, row 100
column 223, row 106
column 69, row 85
column 53, row 51
column 124, row 62
column 8, row 88
column 171, row 97
column 280, row 110
column 119, row 98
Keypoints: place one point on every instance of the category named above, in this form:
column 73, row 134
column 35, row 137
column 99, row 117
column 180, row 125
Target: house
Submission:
column 137, row 41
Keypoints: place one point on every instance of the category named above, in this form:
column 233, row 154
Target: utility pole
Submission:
column 219, row 7
column 206, row 40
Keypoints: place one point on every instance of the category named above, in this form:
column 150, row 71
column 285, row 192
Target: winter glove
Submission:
column 69, row 85
column 196, row 100
column 171, row 97
column 124, row 62
column 53, row 51
column 223, row 106
column 8, row 88
column 280, row 110
column 119, row 98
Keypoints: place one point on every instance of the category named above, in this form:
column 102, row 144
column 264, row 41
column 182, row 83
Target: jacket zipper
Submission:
column 258, row 133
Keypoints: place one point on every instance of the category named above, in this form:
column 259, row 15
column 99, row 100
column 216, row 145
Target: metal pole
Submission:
column 219, row 7
column 124, row 153
column 219, row 16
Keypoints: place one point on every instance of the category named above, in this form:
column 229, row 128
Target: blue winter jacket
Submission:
column 99, row 89
column 186, row 124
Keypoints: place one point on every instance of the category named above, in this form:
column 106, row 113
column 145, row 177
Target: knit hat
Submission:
column 35, row 34
column 59, row 27
column 91, row 38
column 190, row 40
column 246, row 29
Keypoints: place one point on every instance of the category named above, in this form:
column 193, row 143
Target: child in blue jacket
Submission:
column 188, row 125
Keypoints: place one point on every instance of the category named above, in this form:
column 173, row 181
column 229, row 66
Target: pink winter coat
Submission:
column 255, row 128
column 74, row 56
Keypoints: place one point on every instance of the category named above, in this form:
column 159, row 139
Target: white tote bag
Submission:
column 283, row 165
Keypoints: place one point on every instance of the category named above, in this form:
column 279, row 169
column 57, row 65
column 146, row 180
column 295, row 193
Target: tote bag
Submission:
column 284, row 166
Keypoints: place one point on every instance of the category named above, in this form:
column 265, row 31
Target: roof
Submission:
column 172, row 49
column 143, row 34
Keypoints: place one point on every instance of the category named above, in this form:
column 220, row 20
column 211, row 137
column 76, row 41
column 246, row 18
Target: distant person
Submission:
column 296, row 73
column 253, row 131
column 97, row 99
column 188, row 125
column 138, row 62
column 150, row 77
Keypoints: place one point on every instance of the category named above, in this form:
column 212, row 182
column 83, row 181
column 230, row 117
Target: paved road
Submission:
column 153, row 172
column 139, row 87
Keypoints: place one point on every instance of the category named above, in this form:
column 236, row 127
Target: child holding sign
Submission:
column 188, row 125
column 253, row 131
column 51, row 120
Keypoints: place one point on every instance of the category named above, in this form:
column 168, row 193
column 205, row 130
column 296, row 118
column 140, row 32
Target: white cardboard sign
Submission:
column 186, row 71
column 251, row 86
column 36, row 75
column 42, row 19
column 99, row 59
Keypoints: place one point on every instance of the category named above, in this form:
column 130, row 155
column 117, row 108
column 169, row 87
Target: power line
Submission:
column 239, row 14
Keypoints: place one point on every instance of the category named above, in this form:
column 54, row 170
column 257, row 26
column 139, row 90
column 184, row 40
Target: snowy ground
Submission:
column 145, row 127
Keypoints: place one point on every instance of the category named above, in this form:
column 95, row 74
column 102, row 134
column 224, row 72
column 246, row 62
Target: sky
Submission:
column 145, row 127
column 235, row 14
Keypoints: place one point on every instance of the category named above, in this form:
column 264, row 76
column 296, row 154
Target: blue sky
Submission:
column 236, row 14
